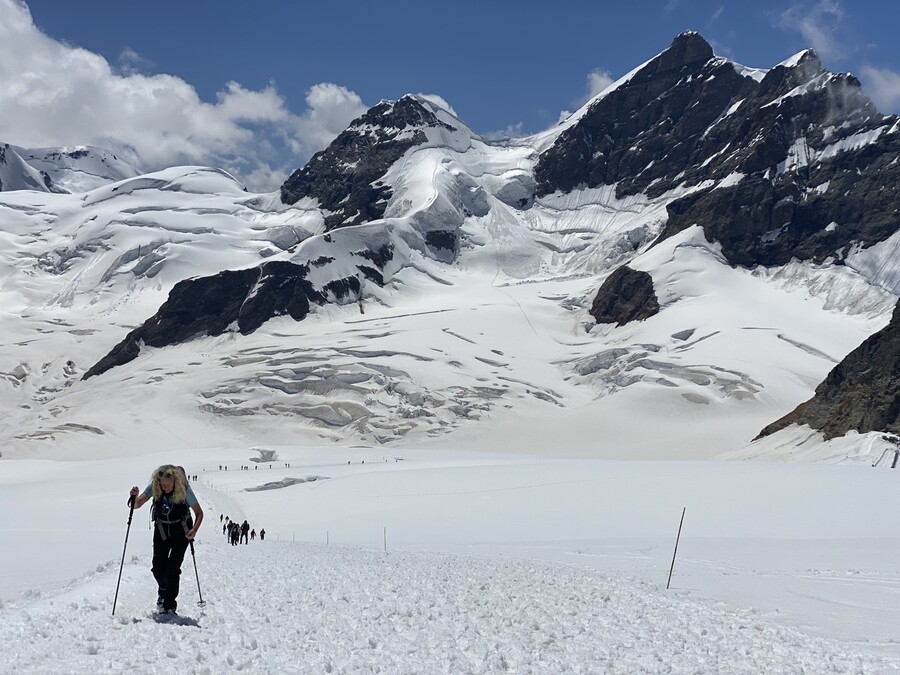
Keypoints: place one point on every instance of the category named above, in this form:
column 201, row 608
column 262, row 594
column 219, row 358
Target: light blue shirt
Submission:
column 191, row 497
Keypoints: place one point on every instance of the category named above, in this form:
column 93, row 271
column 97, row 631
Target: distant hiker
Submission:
column 245, row 529
column 173, row 500
column 252, row 535
column 221, row 515
column 224, row 528
column 262, row 534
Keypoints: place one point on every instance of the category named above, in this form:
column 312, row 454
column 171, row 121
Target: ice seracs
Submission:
column 449, row 278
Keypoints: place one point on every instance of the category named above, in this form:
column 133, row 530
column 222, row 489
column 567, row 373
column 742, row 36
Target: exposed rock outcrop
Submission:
column 792, row 163
column 626, row 295
column 239, row 300
column 646, row 130
column 861, row 393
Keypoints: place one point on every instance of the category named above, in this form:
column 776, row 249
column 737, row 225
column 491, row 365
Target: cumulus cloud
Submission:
column 329, row 109
column 56, row 94
column 818, row 23
column 883, row 86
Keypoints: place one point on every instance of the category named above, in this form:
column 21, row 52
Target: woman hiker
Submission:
column 173, row 500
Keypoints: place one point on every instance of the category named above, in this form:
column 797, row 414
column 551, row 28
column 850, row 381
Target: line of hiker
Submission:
column 224, row 467
column 236, row 533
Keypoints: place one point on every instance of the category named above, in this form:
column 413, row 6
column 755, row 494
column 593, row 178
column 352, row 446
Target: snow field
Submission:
column 283, row 607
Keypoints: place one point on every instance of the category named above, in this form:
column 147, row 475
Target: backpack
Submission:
column 167, row 513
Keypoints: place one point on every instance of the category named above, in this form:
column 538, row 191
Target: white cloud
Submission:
column 883, row 86
column 511, row 131
column 597, row 81
column 818, row 24
column 57, row 94
column 130, row 62
column 330, row 108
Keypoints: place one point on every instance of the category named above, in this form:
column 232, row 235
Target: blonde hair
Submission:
column 181, row 485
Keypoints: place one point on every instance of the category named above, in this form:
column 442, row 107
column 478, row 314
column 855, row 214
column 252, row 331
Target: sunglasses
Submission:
column 165, row 474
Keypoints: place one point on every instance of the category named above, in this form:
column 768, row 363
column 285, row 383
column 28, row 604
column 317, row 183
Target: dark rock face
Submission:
column 767, row 222
column 861, row 393
column 345, row 176
column 810, row 186
column 210, row 305
column 626, row 295
column 647, row 127
column 813, row 169
column 443, row 240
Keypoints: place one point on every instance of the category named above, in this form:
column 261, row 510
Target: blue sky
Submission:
column 257, row 87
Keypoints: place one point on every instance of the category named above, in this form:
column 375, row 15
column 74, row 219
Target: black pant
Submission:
column 168, row 554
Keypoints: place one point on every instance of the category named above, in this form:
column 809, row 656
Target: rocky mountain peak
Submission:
column 405, row 114
column 787, row 164
column 345, row 177
column 645, row 130
column 688, row 50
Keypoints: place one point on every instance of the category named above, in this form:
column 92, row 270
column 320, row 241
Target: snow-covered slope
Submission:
column 432, row 561
column 445, row 287
column 17, row 174
column 449, row 286
column 78, row 169
column 501, row 336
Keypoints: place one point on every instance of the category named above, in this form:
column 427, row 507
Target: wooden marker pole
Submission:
column 677, row 538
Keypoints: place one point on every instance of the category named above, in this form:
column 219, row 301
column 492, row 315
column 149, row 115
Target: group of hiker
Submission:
column 239, row 533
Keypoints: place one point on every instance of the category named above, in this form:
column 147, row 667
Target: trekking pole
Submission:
column 122, row 564
column 202, row 602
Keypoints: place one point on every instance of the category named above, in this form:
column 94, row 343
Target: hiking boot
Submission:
column 160, row 602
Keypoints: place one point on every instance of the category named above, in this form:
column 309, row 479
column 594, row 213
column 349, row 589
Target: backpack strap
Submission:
column 162, row 524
